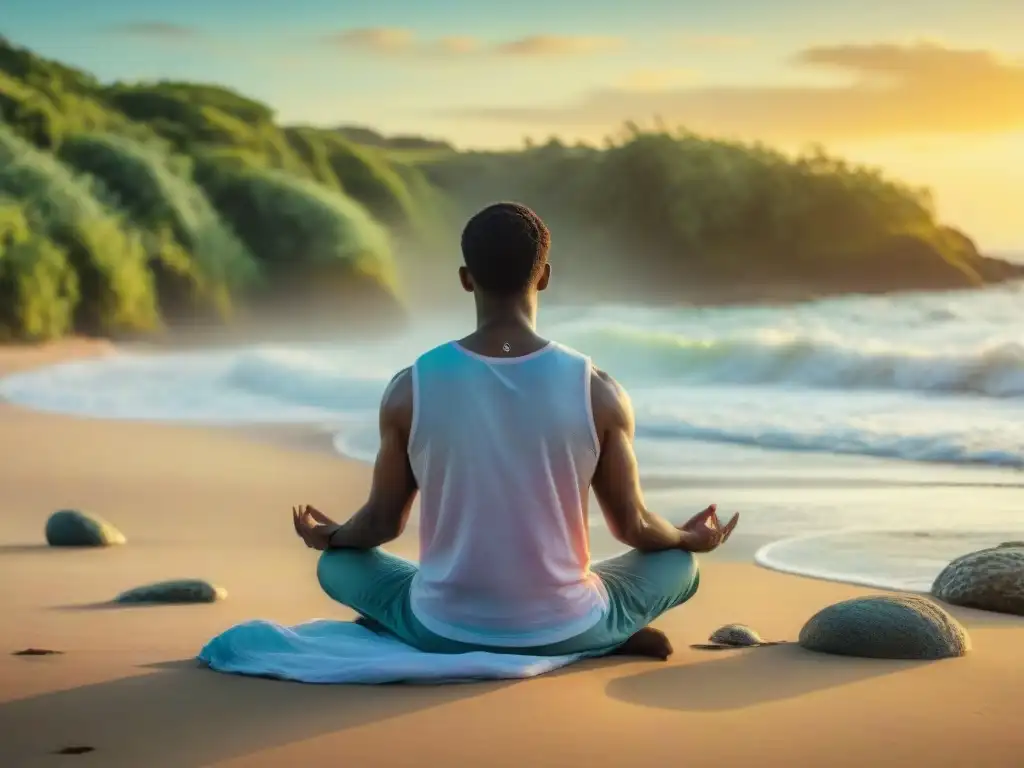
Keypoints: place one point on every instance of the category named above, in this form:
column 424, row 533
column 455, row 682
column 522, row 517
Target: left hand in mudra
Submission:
column 313, row 527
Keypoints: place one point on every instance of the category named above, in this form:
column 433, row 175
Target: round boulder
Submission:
column 990, row 579
column 70, row 528
column 174, row 591
column 886, row 627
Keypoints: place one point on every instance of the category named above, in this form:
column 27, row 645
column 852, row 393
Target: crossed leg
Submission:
column 641, row 587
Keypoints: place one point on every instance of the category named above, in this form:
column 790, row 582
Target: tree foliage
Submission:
column 38, row 287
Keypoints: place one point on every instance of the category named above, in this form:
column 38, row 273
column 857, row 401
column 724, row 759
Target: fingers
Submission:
column 308, row 525
column 702, row 517
column 317, row 515
column 301, row 525
column 718, row 534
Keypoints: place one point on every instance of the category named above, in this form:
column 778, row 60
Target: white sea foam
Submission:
column 818, row 360
column 902, row 560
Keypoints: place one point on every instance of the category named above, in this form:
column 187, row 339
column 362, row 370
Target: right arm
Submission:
column 616, row 480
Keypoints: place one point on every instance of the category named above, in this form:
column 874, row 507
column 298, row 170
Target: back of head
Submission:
column 505, row 247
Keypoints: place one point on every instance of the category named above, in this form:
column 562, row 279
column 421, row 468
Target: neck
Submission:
column 516, row 312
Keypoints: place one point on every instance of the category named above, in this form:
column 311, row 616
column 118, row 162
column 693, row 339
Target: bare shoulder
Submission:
column 399, row 388
column 396, row 404
column 610, row 402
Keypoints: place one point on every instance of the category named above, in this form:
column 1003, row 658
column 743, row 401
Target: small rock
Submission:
column 733, row 636
column 738, row 635
column 175, row 591
column 70, row 528
column 990, row 579
column 37, row 652
column 886, row 627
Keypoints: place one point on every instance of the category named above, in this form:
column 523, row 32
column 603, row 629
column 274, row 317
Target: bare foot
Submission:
column 648, row 642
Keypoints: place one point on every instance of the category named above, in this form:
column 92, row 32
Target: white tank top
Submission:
column 504, row 450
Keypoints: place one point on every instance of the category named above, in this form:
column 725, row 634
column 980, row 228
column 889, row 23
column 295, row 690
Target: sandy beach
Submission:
column 215, row 504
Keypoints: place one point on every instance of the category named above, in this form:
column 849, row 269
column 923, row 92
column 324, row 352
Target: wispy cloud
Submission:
column 375, row 39
column 159, row 30
column 558, row 45
column 889, row 90
column 694, row 41
column 459, row 44
column 391, row 41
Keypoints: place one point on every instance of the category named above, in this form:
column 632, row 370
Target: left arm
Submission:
column 384, row 516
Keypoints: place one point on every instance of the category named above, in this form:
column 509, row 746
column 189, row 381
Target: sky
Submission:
column 930, row 90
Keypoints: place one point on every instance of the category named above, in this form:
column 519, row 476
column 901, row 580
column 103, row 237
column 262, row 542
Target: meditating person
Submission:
column 503, row 434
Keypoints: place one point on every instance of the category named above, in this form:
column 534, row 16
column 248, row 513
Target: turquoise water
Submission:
column 884, row 414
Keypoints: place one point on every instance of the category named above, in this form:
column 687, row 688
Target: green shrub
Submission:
column 29, row 113
column 38, row 287
column 308, row 144
column 115, row 284
column 297, row 229
column 225, row 100
column 367, row 177
column 208, row 162
column 199, row 261
column 195, row 117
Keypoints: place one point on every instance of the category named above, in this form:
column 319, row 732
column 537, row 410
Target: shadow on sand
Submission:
column 48, row 550
column 746, row 678
column 181, row 715
column 113, row 605
column 975, row 618
column 29, row 549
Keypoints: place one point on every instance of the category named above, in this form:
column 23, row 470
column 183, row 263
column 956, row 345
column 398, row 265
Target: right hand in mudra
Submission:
column 704, row 532
column 313, row 527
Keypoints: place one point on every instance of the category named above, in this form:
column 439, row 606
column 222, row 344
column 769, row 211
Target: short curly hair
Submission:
column 505, row 247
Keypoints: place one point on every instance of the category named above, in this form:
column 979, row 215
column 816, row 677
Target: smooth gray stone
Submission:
column 990, row 579
column 175, row 591
column 886, row 627
column 739, row 635
column 71, row 528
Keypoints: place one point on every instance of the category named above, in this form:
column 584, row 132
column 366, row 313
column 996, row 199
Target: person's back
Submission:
column 503, row 433
column 504, row 450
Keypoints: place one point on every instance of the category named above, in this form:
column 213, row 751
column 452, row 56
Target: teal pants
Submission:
column 641, row 587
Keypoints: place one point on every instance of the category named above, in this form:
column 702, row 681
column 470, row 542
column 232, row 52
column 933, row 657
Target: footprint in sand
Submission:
column 74, row 750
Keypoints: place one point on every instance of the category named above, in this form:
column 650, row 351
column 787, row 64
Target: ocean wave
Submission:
column 823, row 360
column 330, row 379
column 658, row 442
column 947, row 447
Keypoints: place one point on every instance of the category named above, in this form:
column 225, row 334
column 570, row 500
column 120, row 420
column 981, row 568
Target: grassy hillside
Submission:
column 178, row 203
column 128, row 207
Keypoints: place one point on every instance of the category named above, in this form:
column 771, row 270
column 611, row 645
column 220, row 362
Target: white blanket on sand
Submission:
column 324, row 651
